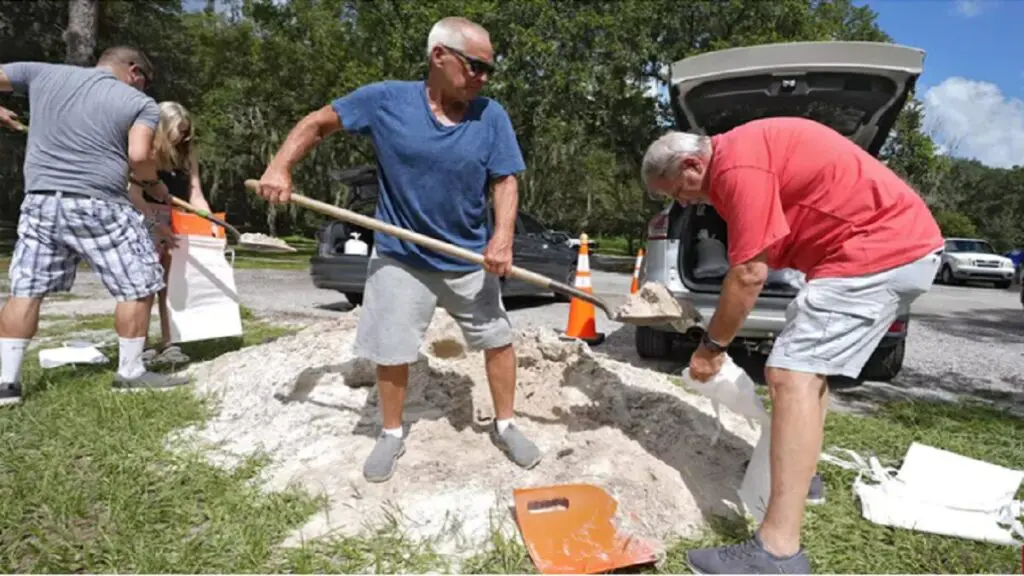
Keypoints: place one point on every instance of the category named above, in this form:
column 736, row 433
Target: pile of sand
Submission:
column 306, row 403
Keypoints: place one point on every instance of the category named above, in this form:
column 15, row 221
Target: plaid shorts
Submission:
column 57, row 231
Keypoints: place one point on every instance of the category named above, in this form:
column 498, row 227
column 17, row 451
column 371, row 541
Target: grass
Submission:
column 87, row 484
column 839, row 540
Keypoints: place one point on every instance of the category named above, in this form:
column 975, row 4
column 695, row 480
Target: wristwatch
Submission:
column 708, row 342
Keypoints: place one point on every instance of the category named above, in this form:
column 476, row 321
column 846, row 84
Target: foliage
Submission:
column 580, row 80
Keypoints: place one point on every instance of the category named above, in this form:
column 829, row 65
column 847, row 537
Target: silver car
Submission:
column 857, row 88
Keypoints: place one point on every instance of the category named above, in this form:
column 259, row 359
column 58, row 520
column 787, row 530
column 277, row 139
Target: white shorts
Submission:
column 834, row 324
column 399, row 303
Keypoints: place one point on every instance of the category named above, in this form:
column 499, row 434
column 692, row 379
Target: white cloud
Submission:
column 974, row 119
column 968, row 8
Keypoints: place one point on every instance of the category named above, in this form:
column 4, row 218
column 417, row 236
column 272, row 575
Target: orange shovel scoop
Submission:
column 568, row 530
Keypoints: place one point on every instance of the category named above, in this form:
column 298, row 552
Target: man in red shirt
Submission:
column 796, row 194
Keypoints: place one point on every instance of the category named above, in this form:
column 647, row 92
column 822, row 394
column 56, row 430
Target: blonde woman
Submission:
column 178, row 169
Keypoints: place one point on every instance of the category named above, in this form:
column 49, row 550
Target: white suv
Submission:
column 857, row 88
column 967, row 259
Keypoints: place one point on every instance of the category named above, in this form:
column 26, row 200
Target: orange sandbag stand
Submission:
column 202, row 299
column 568, row 529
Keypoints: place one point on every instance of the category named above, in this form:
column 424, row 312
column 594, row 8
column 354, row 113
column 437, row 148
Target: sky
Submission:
column 973, row 81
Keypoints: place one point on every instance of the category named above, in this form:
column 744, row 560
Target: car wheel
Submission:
column 651, row 343
column 885, row 364
column 570, row 280
column 1003, row 285
column 354, row 298
column 946, row 276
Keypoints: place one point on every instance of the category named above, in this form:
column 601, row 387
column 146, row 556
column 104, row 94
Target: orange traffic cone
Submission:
column 582, row 318
column 635, row 286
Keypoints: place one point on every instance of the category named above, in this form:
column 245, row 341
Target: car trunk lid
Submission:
column 857, row 88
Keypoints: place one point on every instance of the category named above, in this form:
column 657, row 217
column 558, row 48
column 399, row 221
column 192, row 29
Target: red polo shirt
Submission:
column 815, row 201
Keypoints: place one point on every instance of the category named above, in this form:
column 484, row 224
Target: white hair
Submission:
column 661, row 161
column 451, row 31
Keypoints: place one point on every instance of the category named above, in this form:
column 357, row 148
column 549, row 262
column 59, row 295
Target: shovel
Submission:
column 255, row 242
column 653, row 305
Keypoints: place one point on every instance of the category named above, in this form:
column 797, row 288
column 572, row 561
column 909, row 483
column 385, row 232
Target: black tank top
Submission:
column 177, row 182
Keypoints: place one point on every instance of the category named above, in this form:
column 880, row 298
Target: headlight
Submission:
column 1007, row 264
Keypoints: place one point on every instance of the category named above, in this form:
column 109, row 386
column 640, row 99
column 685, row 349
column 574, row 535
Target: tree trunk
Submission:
column 80, row 36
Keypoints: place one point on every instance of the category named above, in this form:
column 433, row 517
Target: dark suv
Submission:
column 536, row 248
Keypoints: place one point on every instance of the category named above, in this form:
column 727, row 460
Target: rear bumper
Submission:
column 981, row 273
column 342, row 273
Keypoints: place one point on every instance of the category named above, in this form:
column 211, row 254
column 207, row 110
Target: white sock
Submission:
column 503, row 425
column 396, row 432
column 12, row 350
column 130, row 357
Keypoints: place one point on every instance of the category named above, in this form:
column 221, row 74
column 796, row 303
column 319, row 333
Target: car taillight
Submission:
column 897, row 326
column 657, row 229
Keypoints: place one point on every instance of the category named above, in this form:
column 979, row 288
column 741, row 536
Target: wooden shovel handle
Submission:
column 436, row 245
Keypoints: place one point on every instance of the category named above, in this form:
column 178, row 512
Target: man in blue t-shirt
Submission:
column 440, row 148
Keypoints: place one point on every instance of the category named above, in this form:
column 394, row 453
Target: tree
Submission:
column 80, row 35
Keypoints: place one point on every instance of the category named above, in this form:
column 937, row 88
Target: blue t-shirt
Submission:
column 434, row 179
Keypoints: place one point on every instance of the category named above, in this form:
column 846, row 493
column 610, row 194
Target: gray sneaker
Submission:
column 10, row 394
column 747, row 557
column 518, row 447
column 149, row 381
column 382, row 462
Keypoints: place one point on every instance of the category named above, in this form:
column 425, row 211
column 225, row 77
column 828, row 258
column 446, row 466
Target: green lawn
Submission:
column 87, row 485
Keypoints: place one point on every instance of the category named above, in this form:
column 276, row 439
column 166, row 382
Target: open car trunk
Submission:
column 856, row 88
column 362, row 198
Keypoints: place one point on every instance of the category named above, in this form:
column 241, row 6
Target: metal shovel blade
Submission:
column 568, row 529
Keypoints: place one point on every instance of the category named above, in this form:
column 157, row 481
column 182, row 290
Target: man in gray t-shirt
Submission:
column 90, row 128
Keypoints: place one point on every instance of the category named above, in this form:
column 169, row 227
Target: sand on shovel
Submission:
column 653, row 304
column 258, row 241
column 309, row 405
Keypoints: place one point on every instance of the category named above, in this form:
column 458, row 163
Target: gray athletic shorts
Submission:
column 834, row 324
column 399, row 302
column 57, row 231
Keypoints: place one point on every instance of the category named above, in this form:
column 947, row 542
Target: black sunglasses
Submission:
column 476, row 65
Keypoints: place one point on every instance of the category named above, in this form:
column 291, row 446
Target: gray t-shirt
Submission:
column 78, row 132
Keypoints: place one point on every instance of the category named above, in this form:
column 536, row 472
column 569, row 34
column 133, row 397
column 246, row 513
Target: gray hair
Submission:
column 662, row 158
column 451, row 31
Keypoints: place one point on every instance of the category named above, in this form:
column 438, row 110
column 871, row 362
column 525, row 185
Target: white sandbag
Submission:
column 756, row 487
column 732, row 388
column 72, row 352
column 712, row 259
column 938, row 492
column 202, row 299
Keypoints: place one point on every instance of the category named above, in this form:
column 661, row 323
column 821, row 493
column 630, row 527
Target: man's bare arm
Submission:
column 309, row 132
column 740, row 289
column 142, row 162
column 505, row 191
column 5, row 83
